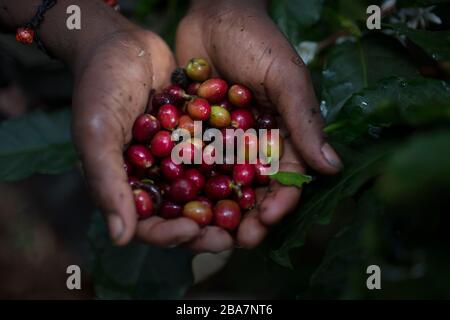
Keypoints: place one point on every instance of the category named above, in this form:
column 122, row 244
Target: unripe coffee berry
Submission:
column 198, row 69
column 239, row 95
column 199, row 212
column 220, row 117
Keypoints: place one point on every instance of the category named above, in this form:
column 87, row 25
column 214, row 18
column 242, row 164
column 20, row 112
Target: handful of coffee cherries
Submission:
column 173, row 178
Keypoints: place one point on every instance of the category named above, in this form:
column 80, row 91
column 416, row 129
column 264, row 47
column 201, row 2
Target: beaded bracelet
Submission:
column 27, row 34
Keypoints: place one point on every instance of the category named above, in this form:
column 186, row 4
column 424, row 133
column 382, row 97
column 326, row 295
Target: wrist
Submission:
column 98, row 21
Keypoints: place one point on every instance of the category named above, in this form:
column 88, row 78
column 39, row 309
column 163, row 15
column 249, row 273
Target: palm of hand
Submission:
column 112, row 88
column 274, row 202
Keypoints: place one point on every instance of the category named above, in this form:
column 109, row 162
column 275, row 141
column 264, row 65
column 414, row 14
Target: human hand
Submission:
column 112, row 86
column 244, row 46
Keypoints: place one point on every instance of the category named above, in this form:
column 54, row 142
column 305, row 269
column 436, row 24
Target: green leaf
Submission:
column 350, row 249
column 293, row 15
column 137, row 271
column 322, row 198
column 36, row 143
column 435, row 43
column 420, row 167
column 396, row 101
column 353, row 66
column 291, row 178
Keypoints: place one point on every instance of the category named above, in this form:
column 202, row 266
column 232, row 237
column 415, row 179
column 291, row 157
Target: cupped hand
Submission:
column 112, row 86
column 244, row 46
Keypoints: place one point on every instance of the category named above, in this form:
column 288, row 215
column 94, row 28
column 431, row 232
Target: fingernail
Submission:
column 116, row 226
column 331, row 156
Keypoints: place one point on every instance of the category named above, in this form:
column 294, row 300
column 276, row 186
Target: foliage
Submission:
column 35, row 143
column 137, row 271
column 390, row 124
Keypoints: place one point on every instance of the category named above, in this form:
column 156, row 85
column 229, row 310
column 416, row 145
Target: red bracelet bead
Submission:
column 111, row 3
column 25, row 35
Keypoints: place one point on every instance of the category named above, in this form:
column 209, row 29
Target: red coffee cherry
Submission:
column 214, row 90
column 161, row 145
column 218, row 187
column 182, row 190
column 161, row 99
column 25, row 35
column 193, row 88
column 170, row 210
column 242, row 119
column 168, row 116
column 246, row 198
column 205, row 201
column 260, row 177
column 243, row 174
column 199, row 109
column 227, row 215
column 170, row 170
column 177, row 93
column 139, row 156
column 144, row 203
column 196, row 177
column 186, row 123
column 145, row 127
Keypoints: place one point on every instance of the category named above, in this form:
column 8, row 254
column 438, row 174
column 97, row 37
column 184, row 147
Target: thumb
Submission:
column 100, row 151
column 295, row 99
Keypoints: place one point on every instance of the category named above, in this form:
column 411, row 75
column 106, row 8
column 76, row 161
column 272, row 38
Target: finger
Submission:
column 167, row 233
column 301, row 112
column 211, row 239
column 251, row 231
column 279, row 200
column 188, row 42
column 102, row 160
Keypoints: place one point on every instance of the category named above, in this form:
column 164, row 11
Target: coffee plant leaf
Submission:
column 291, row 178
column 353, row 66
column 392, row 102
column 294, row 15
column 38, row 142
column 321, row 198
column 138, row 270
column 419, row 169
column 435, row 43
